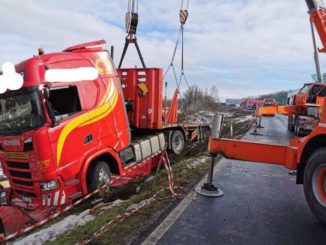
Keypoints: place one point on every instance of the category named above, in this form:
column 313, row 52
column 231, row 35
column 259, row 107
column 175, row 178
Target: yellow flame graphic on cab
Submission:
column 104, row 108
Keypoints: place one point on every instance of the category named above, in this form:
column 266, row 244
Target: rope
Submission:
column 172, row 59
column 50, row 218
column 183, row 17
column 132, row 7
column 122, row 217
column 164, row 159
column 182, row 5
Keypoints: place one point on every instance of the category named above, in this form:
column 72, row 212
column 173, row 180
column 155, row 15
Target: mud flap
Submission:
column 2, row 229
column 12, row 220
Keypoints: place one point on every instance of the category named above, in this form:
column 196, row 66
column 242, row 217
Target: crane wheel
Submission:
column 177, row 143
column 315, row 184
column 99, row 177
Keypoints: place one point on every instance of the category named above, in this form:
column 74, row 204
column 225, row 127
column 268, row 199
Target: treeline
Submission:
column 195, row 99
column 281, row 94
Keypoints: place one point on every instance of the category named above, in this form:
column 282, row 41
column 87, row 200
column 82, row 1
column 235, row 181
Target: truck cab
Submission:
column 308, row 101
column 270, row 107
column 69, row 111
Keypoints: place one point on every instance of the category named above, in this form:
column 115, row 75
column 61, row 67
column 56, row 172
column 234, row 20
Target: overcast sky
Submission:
column 243, row 47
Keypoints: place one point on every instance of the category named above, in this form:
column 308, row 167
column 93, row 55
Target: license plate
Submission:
column 16, row 155
column 26, row 199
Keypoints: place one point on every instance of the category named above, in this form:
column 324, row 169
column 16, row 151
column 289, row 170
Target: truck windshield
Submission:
column 20, row 111
column 269, row 104
column 305, row 88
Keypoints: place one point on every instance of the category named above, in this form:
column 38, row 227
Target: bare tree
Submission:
column 196, row 99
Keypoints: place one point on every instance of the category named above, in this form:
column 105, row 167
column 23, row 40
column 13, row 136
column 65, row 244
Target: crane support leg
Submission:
column 208, row 189
column 255, row 152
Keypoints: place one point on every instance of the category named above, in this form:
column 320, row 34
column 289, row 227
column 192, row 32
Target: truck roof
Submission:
column 33, row 69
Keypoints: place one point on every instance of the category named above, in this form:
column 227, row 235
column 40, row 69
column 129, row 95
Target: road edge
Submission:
column 165, row 225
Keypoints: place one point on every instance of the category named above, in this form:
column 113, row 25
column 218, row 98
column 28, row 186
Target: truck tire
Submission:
column 315, row 184
column 177, row 143
column 99, row 175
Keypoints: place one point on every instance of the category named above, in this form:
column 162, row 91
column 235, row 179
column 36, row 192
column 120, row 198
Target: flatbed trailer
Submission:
column 145, row 112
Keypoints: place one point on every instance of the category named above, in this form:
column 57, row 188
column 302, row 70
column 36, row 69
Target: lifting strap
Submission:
column 183, row 14
column 132, row 20
column 172, row 113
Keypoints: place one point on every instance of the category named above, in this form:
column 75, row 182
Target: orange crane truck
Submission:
column 307, row 116
column 307, row 155
column 270, row 107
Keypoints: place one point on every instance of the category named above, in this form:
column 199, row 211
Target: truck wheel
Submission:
column 315, row 184
column 99, row 177
column 177, row 142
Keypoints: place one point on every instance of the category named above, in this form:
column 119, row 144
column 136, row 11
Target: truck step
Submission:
column 72, row 182
column 75, row 195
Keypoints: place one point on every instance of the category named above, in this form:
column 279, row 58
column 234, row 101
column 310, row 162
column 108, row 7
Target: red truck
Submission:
column 74, row 124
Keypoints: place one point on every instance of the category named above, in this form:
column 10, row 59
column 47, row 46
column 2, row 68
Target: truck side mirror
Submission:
column 49, row 107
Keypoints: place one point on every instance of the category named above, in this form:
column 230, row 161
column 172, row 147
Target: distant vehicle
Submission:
column 311, row 95
column 272, row 105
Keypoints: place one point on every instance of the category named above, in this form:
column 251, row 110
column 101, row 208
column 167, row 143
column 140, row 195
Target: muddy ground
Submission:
column 82, row 222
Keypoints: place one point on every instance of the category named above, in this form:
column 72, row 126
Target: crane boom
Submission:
column 317, row 11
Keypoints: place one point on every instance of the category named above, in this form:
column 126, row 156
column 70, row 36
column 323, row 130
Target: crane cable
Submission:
column 183, row 15
column 132, row 7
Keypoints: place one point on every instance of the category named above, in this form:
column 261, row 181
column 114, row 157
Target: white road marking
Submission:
column 165, row 225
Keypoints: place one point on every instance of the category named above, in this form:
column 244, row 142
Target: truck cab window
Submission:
column 65, row 101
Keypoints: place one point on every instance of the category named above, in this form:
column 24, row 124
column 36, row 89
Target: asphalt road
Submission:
column 261, row 205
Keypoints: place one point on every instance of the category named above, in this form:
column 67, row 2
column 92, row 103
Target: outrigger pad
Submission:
column 209, row 190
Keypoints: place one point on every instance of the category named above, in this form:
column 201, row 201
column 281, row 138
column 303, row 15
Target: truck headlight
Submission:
column 49, row 186
column 28, row 144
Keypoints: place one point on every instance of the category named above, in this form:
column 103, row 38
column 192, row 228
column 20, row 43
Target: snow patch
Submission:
column 196, row 162
column 69, row 223
column 52, row 232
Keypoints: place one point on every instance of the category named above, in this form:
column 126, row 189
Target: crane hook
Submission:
column 183, row 14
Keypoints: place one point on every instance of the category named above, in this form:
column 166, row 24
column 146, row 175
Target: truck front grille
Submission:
column 25, row 194
column 22, row 183
column 24, row 175
column 20, row 176
column 19, row 165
